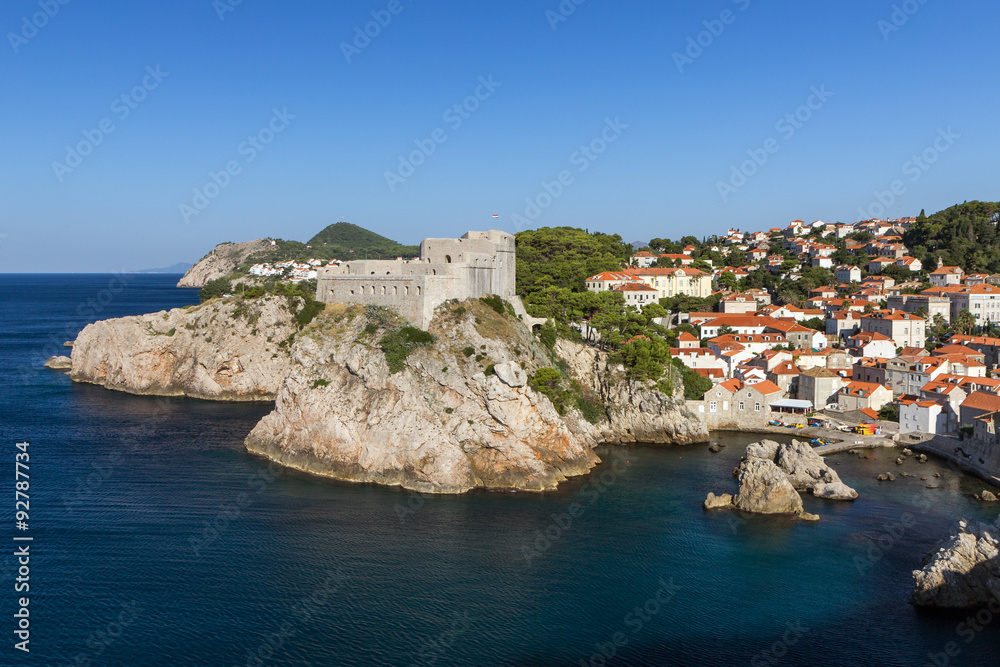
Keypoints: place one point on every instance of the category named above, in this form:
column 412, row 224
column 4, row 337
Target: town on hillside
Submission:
column 887, row 340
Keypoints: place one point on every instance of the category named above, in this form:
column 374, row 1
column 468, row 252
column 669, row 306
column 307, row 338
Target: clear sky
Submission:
column 328, row 122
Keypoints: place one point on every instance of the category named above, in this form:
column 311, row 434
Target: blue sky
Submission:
column 662, row 135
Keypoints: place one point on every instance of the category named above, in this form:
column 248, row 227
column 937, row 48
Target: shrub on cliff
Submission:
column 397, row 345
column 309, row 312
column 214, row 289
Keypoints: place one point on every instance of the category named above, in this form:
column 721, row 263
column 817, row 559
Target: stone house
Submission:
column 819, row 386
column 863, row 395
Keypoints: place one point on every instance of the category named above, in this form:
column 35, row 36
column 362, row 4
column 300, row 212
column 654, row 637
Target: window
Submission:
column 712, row 405
column 756, row 407
column 741, row 405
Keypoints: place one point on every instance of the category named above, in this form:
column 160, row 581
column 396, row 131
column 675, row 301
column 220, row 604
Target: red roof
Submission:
column 767, row 387
column 980, row 400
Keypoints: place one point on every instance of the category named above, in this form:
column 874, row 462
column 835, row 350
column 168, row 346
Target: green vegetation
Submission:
column 214, row 289
column 695, row 385
column 397, row 344
column 553, row 383
column 497, row 303
column 965, row 235
column 469, row 351
column 817, row 323
column 644, row 357
column 309, row 312
column 889, row 412
column 564, row 257
column 346, row 241
column 320, row 383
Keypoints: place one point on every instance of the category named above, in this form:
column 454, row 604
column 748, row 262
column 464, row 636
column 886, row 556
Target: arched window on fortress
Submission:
column 434, row 272
column 447, row 259
column 406, row 290
column 395, row 290
column 383, row 290
column 418, row 290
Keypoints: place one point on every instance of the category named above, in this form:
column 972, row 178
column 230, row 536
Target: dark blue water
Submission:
column 159, row 541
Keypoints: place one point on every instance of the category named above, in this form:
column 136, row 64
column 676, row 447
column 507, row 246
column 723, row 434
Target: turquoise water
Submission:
column 159, row 541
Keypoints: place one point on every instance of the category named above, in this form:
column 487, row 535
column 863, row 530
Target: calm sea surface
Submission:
column 159, row 541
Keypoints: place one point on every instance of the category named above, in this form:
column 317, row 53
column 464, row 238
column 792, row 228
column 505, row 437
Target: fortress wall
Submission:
column 478, row 264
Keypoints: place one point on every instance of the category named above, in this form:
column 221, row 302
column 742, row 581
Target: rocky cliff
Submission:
column 458, row 413
column 635, row 413
column 963, row 572
column 229, row 349
column 219, row 263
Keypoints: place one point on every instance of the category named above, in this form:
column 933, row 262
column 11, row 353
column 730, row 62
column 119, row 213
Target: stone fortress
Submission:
column 476, row 265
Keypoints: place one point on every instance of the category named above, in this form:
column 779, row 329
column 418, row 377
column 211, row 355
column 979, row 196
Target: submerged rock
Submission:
column 886, row 477
column 963, row 572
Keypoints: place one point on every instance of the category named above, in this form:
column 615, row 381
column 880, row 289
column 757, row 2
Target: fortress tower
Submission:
column 476, row 265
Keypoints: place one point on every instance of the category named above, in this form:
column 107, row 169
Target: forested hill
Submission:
column 565, row 257
column 965, row 235
column 345, row 241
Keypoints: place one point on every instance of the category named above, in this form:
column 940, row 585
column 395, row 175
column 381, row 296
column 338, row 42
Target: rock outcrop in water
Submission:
column 230, row 349
column 772, row 474
column 59, row 363
column 449, row 421
column 219, row 263
column 805, row 468
column 765, row 489
column 461, row 414
column 964, row 571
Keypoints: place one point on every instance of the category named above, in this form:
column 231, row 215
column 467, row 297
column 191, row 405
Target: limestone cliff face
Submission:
column 635, row 412
column 440, row 425
column 460, row 415
column 222, row 350
column 964, row 571
column 219, row 263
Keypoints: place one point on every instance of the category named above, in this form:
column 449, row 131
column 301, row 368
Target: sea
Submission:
column 156, row 539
